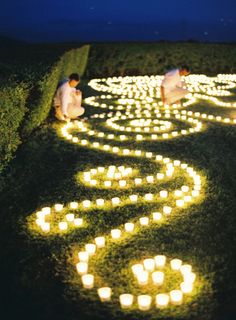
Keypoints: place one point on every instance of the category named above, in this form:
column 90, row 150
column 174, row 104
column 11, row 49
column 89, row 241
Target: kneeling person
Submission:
column 67, row 100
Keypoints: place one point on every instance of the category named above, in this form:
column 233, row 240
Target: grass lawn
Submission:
column 39, row 278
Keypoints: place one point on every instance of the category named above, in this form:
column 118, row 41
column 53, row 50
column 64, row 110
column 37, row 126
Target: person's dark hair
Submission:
column 74, row 76
column 185, row 67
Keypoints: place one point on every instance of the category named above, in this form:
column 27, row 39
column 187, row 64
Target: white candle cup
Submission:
column 175, row 264
column 142, row 277
column 40, row 215
column 167, row 210
column 90, row 248
column 78, row 222
column 107, row 183
column 160, row 176
column 149, row 264
column 185, row 269
column 63, row 226
column 83, row 256
column 160, row 261
column 186, row 287
column 87, row 281
column 115, row 201
column 144, row 221
column 179, row 203
column 137, row 269
column 185, row 188
column 144, row 302
column 126, row 300
column 86, row 203
column 74, row 205
column 100, row 202
column 46, row 210
column 58, row 207
column 158, row 278
column 100, row 242
column 104, row 294
column 82, row 268
column 133, row 198
column 176, row 297
column 162, row 300
column 137, row 181
column 163, row 194
column 157, row 216
column 129, row 227
column 70, row 217
column 122, row 183
column 189, row 277
column 45, row 226
column 148, row 197
column 115, row 233
column 150, row 179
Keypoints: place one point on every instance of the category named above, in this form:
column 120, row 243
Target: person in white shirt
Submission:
column 172, row 90
column 67, row 100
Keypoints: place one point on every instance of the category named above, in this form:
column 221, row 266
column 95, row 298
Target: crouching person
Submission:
column 67, row 100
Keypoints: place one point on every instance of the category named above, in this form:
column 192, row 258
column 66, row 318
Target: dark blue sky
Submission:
column 102, row 20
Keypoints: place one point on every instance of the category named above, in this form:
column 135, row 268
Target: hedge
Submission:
column 25, row 105
column 156, row 58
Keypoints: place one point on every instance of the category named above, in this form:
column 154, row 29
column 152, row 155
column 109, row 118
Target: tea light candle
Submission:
column 150, row 179
column 149, row 264
column 100, row 202
column 122, row 183
column 175, row 264
column 160, row 176
column 163, row 194
column 137, row 181
column 100, row 242
column 82, row 268
column 129, row 227
column 83, row 256
column 133, row 198
column 176, row 297
column 158, row 278
column 115, row 233
column 185, row 269
column 144, row 221
column 58, row 207
column 186, row 287
column 142, row 277
column 126, row 300
column 90, row 248
column 45, row 226
column 70, row 217
column 189, row 277
column 63, row 225
column 179, row 203
column 144, row 302
column 115, row 201
column 86, row 203
column 162, row 300
column 160, row 261
column 156, row 216
column 74, row 205
column 88, row 281
column 148, row 196
column 137, row 268
column 104, row 294
column 78, row 222
column 40, row 215
column 107, row 183
column 46, row 210
column 167, row 210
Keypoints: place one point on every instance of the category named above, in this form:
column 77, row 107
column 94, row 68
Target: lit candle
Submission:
column 107, row 183
column 63, row 225
column 185, row 269
column 163, row 194
column 144, row 302
column 46, row 210
column 144, row 221
column 158, row 277
column 189, row 277
column 100, row 242
column 83, row 256
column 100, row 202
column 175, row 264
column 45, row 226
column 162, row 300
column 137, row 268
column 115, row 233
column 90, row 248
column 179, row 203
column 78, row 222
column 148, row 196
column 142, row 277
column 160, row 261
column 70, row 217
column 86, row 203
column 104, row 294
column 167, row 210
column 186, row 287
column 115, row 201
column 149, row 264
column 126, row 300
column 74, row 205
column 82, row 268
column 58, row 207
column 156, row 216
column 176, row 297
column 88, row 281
column 129, row 227
column 133, row 198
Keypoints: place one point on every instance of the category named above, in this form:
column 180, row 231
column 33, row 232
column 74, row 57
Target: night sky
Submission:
column 118, row 20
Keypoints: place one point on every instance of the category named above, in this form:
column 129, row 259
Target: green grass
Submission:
column 39, row 279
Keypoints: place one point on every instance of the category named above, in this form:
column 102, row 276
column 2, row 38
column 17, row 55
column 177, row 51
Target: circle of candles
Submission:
column 176, row 297
column 137, row 268
column 58, row 207
column 186, row 287
column 90, row 248
column 70, row 217
column 82, row 267
column 83, row 256
column 162, row 300
column 156, row 216
column 129, row 227
column 167, row 210
column 78, row 221
column 115, row 233
column 144, row 302
column 104, row 294
column 74, row 205
column 63, row 225
column 175, row 264
column 142, row 277
column 88, row 281
column 160, row 261
column 149, row 264
column 126, row 300
column 158, row 277
column 100, row 242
